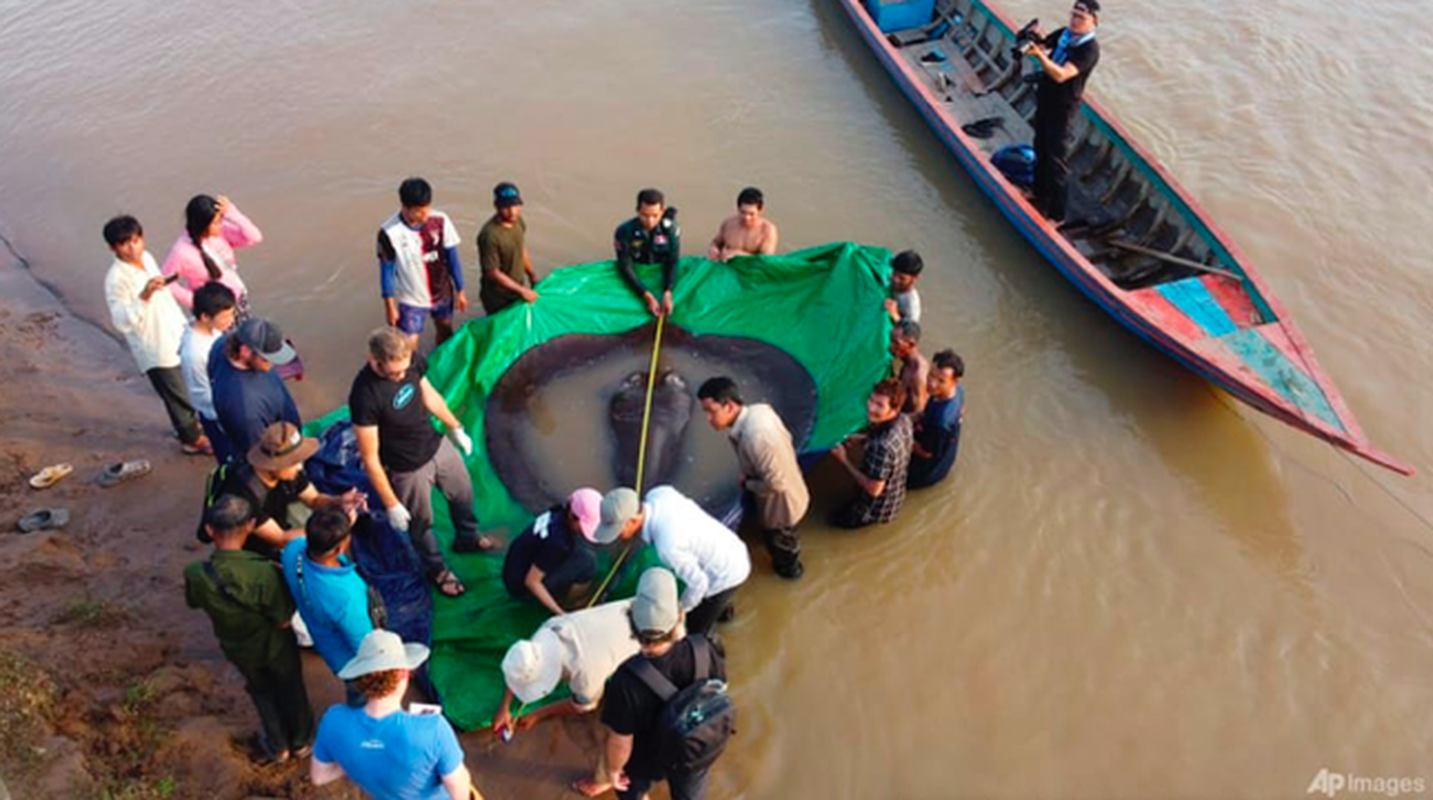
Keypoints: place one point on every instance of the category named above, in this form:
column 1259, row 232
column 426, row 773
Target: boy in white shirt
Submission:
column 904, row 304
column 214, row 311
column 152, row 323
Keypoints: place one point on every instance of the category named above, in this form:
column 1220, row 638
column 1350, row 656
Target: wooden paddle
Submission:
column 1170, row 258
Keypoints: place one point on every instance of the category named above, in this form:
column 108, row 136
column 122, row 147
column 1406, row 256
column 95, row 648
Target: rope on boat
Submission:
column 1356, row 463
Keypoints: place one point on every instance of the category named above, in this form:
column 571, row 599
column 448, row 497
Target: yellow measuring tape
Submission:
column 641, row 452
column 641, row 467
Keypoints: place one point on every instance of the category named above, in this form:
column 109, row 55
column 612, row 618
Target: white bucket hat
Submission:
column 532, row 667
column 382, row 651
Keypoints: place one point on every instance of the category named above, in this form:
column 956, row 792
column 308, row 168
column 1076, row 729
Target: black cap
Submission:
column 265, row 338
column 506, row 194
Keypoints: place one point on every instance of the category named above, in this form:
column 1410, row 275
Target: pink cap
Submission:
column 586, row 505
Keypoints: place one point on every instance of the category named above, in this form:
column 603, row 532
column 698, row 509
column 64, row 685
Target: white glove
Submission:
column 461, row 440
column 399, row 518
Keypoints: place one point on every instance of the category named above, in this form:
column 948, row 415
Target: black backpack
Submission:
column 697, row 721
column 216, row 480
column 214, row 486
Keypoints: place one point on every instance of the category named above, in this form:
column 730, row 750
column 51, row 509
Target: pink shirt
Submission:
column 185, row 261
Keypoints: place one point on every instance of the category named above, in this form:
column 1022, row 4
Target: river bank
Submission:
column 112, row 685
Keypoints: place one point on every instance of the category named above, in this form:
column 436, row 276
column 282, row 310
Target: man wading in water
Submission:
column 747, row 232
column 651, row 237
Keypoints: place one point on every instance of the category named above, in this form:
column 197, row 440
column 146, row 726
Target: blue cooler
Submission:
column 899, row 15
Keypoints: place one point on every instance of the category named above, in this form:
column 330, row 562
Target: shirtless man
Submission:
column 747, row 232
column 914, row 368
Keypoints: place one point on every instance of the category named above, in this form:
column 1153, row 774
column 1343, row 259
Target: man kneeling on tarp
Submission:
column 550, row 559
column 581, row 649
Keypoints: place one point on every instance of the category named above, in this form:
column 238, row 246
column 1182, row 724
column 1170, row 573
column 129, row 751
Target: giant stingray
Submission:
column 521, row 422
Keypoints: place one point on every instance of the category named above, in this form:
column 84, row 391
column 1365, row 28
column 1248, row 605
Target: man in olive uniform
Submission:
column 250, row 607
column 651, row 237
column 502, row 251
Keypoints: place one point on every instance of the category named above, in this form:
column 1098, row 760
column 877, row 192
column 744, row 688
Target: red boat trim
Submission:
column 1220, row 369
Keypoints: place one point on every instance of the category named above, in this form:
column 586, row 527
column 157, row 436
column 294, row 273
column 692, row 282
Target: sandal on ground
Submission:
column 44, row 519
column 115, row 474
column 264, row 754
column 449, row 584
column 201, row 447
column 480, row 544
column 51, row 475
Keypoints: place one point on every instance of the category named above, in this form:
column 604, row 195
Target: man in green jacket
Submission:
column 250, row 608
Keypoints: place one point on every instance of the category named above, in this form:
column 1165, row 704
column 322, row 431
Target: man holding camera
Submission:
column 1066, row 58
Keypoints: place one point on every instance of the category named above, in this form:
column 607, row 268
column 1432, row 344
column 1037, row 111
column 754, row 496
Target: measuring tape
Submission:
column 507, row 732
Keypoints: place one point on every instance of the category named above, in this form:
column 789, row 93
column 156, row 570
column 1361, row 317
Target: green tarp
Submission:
column 823, row 306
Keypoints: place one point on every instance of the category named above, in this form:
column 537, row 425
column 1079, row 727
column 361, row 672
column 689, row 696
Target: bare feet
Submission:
column 590, row 788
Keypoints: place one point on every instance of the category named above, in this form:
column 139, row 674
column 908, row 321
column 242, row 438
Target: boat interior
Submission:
column 1116, row 217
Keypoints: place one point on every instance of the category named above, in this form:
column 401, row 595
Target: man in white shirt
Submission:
column 152, row 323
column 710, row 559
column 215, row 308
column 582, row 648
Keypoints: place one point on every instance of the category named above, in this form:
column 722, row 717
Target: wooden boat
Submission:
column 1134, row 242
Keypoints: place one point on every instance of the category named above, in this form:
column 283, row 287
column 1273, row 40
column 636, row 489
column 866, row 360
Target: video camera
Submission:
column 1027, row 35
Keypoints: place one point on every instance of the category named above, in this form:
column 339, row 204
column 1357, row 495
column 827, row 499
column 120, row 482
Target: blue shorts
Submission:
column 412, row 318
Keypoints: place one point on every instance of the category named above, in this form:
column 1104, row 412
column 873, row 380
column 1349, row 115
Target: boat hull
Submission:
column 1148, row 316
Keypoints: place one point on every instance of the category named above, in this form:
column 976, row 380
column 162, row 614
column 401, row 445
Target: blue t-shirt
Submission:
column 333, row 602
column 247, row 402
column 938, row 432
column 400, row 757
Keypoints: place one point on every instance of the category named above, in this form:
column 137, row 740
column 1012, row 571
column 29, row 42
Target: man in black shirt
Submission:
column 632, row 711
column 1067, row 57
column 651, row 237
column 405, row 457
column 549, row 558
column 271, row 478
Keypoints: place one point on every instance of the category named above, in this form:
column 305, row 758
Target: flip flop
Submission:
column 44, row 519
column 446, row 581
column 115, row 474
column 481, row 544
column 983, row 128
column 199, row 448
column 51, row 475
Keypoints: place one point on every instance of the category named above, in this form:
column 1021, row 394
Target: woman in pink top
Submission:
column 213, row 227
